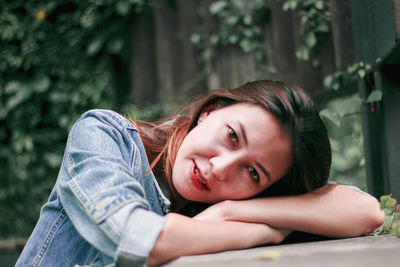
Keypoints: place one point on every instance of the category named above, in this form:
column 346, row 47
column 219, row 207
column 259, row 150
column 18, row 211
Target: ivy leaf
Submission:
column 374, row 96
column 348, row 106
column 13, row 86
column 41, row 84
column 387, row 201
column 94, row 47
column 303, row 53
column 361, row 73
column 290, row 5
column 217, row 7
column 123, row 7
column 195, row 38
column 115, row 46
column 330, row 115
column 319, row 4
column 395, row 229
column 310, row 39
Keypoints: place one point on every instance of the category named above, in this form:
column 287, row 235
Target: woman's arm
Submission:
column 332, row 210
column 186, row 236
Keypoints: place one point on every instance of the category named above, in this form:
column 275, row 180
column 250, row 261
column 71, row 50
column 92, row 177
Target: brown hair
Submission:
column 288, row 103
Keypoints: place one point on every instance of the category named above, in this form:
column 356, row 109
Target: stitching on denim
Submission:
column 77, row 191
column 61, row 218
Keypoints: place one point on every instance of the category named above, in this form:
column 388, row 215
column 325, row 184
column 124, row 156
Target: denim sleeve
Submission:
column 355, row 188
column 100, row 189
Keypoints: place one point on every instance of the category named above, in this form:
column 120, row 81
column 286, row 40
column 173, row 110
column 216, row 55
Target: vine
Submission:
column 314, row 23
column 338, row 79
column 239, row 24
column 351, row 104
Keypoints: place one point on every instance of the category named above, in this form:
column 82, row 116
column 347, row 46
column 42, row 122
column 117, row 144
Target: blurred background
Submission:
column 143, row 58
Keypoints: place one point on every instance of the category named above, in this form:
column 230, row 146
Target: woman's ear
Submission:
column 206, row 111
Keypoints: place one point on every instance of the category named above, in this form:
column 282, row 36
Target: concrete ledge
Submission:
column 369, row 251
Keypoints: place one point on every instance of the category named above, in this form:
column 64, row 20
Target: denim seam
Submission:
column 49, row 237
column 77, row 191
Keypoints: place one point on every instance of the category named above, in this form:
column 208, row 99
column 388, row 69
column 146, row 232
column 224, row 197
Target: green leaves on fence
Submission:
column 391, row 209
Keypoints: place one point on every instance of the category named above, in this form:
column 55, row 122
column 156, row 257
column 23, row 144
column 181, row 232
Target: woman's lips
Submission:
column 197, row 178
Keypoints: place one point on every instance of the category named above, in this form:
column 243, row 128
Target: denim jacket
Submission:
column 105, row 207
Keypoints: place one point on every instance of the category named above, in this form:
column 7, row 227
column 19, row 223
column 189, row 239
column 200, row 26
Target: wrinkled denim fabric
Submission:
column 105, row 204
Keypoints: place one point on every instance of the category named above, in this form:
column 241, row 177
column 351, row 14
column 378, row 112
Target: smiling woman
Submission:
column 258, row 156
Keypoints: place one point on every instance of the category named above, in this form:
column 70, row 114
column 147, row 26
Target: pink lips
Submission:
column 197, row 178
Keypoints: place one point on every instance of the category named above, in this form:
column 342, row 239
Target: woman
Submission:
column 258, row 155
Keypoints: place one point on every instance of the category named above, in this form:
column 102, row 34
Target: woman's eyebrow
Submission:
column 243, row 131
column 266, row 173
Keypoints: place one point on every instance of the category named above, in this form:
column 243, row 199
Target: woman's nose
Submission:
column 222, row 167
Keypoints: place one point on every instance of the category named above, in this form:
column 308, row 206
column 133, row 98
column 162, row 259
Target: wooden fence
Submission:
column 166, row 67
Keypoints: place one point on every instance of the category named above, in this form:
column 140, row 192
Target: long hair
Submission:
column 288, row 103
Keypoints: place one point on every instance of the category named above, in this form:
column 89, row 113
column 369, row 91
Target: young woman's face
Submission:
column 233, row 153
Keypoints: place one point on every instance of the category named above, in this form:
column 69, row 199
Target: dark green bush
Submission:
column 55, row 63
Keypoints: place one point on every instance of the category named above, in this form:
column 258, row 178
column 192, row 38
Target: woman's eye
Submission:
column 254, row 174
column 233, row 136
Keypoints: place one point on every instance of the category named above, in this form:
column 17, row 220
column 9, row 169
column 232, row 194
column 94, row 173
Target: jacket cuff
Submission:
column 138, row 237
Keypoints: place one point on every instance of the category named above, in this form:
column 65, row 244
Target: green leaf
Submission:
column 352, row 68
column 233, row 39
column 290, row 5
column 387, row 211
column 330, row 115
column 303, row 53
column 348, row 106
column 13, row 86
column 41, row 84
column 374, row 96
column 217, row 7
column 319, row 4
column 195, row 38
column 395, row 229
column 123, row 7
column 322, row 28
column 361, row 73
column 115, row 46
column 94, row 47
column 214, row 39
column 387, row 201
column 247, row 20
column 310, row 39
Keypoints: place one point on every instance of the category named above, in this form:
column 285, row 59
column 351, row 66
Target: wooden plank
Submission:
column 165, row 21
column 191, row 78
column 390, row 131
column 282, row 55
column 143, row 82
column 373, row 28
column 342, row 33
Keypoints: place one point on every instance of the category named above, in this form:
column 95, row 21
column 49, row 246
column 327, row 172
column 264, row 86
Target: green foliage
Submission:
column 357, row 70
column 350, row 105
column 391, row 209
column 314, row 24
column 239, row 24
column 345, row 133
column 54, row 65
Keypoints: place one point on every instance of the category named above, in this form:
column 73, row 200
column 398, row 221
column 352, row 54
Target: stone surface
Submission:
column 367, row 251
